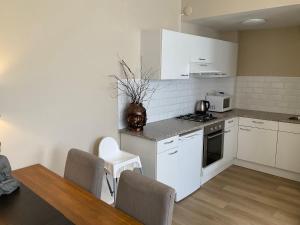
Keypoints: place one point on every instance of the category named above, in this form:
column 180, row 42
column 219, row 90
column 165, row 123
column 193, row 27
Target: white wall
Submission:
column 55, row 58
column 177, row 97
column 268, row 93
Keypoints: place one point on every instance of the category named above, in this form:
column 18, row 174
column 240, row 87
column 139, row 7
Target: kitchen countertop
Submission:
column 164, row 129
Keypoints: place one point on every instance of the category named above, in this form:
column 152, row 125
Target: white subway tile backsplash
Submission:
column 277, row 85
column 176, row 97
column 267, row 93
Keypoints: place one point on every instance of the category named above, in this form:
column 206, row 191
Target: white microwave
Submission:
column 219, row 102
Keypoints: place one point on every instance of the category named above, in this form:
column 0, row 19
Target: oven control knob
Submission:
column 211, row 128
column 220, row 126
column 216, row 127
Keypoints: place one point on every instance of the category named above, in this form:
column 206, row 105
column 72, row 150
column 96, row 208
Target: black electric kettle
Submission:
column 202, row 107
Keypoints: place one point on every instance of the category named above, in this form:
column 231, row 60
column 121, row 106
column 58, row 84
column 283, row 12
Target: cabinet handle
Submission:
column 227, row 131
column 169, row 142
column 173, row 153
column 192, row 136
column 243, row 129
column 201, row 59
column 184, row 75
column 230, row 121
column 257, row 122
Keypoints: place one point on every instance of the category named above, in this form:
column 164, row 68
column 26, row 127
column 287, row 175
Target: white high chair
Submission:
column 116, row 161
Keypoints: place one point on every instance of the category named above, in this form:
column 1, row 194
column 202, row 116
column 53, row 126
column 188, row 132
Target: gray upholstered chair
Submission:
column 145, row 199
column 85, row 170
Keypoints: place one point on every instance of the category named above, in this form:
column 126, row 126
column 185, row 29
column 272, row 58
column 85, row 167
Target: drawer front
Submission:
column 167, row 144
column 167, row 168
column 231, row 122
column 263, row 124
column 290, row 127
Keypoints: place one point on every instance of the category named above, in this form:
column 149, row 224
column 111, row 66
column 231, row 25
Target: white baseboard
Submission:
column 267, row 169
column 213, row 170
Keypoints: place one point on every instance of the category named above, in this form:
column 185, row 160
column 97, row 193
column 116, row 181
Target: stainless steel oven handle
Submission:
column 216, row 135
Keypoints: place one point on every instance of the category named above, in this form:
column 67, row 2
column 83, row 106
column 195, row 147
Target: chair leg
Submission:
column 141, row 170
column 109, row 186
column 115, row 189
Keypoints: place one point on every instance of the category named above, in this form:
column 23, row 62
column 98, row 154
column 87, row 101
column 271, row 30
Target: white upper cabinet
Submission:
column 165, row 53
column 176, row 55
column 213, row 57
column 200, row 49
column 225, row 56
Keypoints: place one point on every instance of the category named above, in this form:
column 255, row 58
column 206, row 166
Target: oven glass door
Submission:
column 213, row 149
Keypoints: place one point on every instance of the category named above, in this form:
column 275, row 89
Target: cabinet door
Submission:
column 190, row 166
column 200, row 49
column 288, row 152
column 230, row 143
column 167, row 167
column 224, row 54
column 257, row 145
column 175, row 55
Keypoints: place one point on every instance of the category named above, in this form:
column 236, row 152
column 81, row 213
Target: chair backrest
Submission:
column 5, row 168
column 108, row 147
column 85, row 170
column 145, row 199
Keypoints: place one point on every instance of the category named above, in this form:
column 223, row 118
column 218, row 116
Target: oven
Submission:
column 213, row 143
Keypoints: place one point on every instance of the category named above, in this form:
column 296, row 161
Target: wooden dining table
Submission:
column 74, row 203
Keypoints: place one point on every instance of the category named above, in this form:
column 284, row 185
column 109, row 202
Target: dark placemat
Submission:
column 24, row 207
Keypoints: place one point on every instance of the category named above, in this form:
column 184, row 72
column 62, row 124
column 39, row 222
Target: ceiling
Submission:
column 276, row 17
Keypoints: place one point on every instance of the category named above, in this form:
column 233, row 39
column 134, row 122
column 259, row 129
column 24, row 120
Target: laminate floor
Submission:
column 239, row 196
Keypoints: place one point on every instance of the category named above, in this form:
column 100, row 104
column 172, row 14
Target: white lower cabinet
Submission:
column 176, row 161
column 272, row 147
column 230, row 140
column 257, row 145
column 288, row 147
column 167, row 164
column 190, row 165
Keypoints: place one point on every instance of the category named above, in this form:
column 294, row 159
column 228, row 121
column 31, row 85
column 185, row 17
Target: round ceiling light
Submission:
column 256, row 21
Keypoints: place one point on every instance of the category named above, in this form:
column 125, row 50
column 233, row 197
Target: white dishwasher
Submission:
column 190, row 153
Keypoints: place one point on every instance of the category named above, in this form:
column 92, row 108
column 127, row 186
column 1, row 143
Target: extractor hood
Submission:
column 204, row 68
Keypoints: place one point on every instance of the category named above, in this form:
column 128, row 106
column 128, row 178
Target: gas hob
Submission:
column 197, row 117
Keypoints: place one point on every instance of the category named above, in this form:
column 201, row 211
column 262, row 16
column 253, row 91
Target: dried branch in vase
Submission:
column 138, row 90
